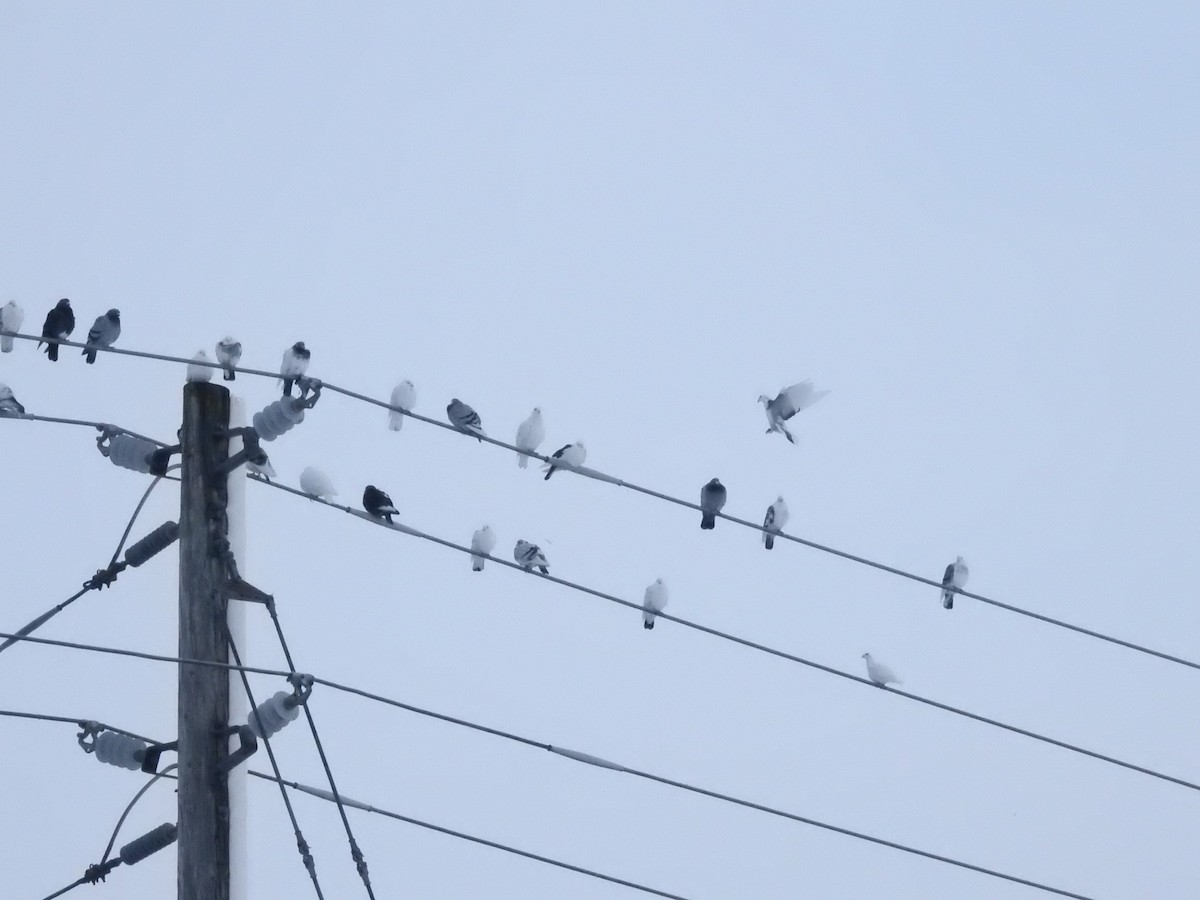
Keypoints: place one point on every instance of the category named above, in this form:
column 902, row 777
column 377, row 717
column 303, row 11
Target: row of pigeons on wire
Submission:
column 60, row 323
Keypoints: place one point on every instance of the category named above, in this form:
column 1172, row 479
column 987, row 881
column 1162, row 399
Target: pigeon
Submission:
column 295, row 364
column 378, row 504
column 60, row 322
column 482, row 541
column 9, row 407
column 465, row 419
column 530, row 555
column 777, row 516
column 260, row 466
column 229, row 354
column 712, row 498
column 955, row 577
column 104, row 333
column 880, row 674
column 404, row 395
column 199, row 373
column 653, row 602
column 531, row 434
column 789, row 402
column 569, row 457
column 11, row 317
column 316, row 483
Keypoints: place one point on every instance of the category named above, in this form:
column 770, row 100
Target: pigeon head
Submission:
column 764, row 399
column 299, row 346
column 227, row 340
column 114, row 314
column 866, row 656
column 961, row 560
column 64, row 303
column 537, row 410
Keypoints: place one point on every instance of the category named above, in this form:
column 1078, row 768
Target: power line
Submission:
column 99, row 426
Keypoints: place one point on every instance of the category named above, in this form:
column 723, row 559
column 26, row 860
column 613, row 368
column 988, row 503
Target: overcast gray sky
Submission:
column 976, row 224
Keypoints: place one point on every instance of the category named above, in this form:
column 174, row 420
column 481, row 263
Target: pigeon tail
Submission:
column 648, row 625
column 287, row 387
column 91, row 356
column 787, row 434
column 549, row 473
column 708, row 520
column 52, row 352
column 6, row 344
column 770, row 541
column 476, row 564
column 948, row 599
column 388, row 516
column 544, row 570
column 229, row 375
column 522, row 460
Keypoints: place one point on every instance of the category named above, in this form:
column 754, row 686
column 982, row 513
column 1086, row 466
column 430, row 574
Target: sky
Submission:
column 975, row 224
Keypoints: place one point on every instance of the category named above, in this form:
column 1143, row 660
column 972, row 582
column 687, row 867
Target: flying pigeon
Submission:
column 229, row 354
column 9, row 407
column 60, row 322
column 464, row 418
column 261, row 467
column 378, row 504
column 569, row 457
column 955, row 577
column 530, row 555
column 712, row 498
column 199, row 373
column 404, row 395
column 789, row 402
column 880, row 674
column 653, row 602
column 11, row 317
column 316, row 483
column 482, row 541
column 104, row 333
column 295, row 364
column 777, row 516
column 530, row 435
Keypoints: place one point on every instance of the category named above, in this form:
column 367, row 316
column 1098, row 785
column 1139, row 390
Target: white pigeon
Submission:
column 880, row 674
column 568, row 457
column 199, row 373
column 530, row 435
column 316, row 483
column 777, row 516
column 229, row 354
column 482, row 541
column 653, row 602
column 529, row 555
column 11, row 317
column 10, row 407
column 404, row 395
column 955, row 577
column 787, row 403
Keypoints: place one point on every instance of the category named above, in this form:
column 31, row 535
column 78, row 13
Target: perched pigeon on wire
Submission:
column 464, row 418
column 229, row 354
column 880, row 674
column 378, row 504
column 104, row 333
column 404, row 395
column 955, row 577
column 568, row 457
column 483, row 541
column 9, row 407
column 294, row 365
column 777, row 516
column 653, row 602
column 316, row 483
column 530, row 435
column 789, row 402
column 60, row 322
column 260, row 466
column 529, row 555
column 712, row 499
column 11, row 317
column 199, row 373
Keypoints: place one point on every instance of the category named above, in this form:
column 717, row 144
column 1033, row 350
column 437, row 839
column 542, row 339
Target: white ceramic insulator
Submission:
column 273, row 714
column 130, row 452
column 278, row 417
column 120, row 750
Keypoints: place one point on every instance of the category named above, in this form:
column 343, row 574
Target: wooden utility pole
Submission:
column 203, row 690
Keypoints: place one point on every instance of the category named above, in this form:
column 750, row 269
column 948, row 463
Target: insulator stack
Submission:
column 271, row 715
column 156, row 541
column 130, row 452
column 150, row 842
column 120, row 750
column 280, row 416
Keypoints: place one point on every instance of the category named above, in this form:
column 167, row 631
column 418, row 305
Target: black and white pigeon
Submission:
column 483, row 541
column 464, row 418
column 777, row 516
column 568, row 457
column 294, row 365
column 229, row 354
column 104, row 333
column 379, row 504
column 60, row 322
column 712, row 499
column 530, row 435
column 11, row 317
column 529, row 555
column 9, row 406
column 260, row 467
column 404, row 396
column 879, row 674
column 955, row 577
column 787, row 403
column 653, row 602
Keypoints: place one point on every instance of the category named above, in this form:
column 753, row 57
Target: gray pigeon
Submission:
column 464, row 418
column 787, row 403
column 712, row 499
column 529, row 555
column 104, row 333
column 9, row 407
column 954, row 579
column 229, row 354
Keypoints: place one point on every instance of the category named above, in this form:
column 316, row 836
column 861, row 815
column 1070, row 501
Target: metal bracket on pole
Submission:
column 160, row 460
column 153, row 753
column 248, row 747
